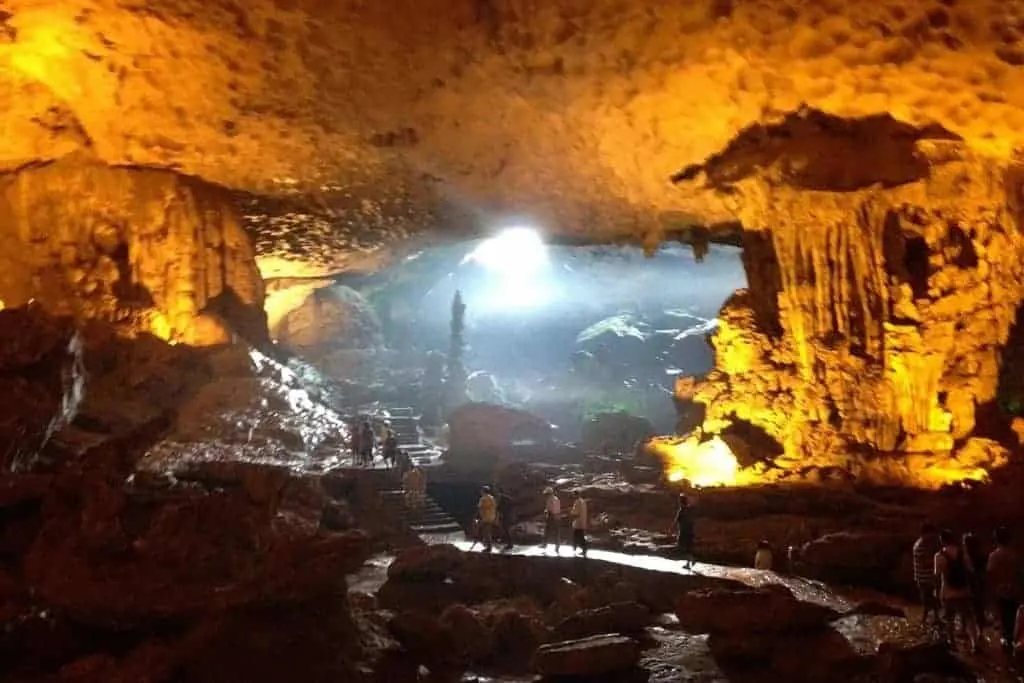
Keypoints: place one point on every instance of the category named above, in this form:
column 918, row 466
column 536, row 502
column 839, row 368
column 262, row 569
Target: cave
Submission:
column 764, row 257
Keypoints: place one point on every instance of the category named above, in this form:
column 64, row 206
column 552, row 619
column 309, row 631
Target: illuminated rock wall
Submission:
column 151, row 250
column 876, row 315
column 573, row 111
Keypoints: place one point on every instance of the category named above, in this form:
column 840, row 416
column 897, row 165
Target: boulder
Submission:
column 595, row 656
column 620, row 617
column 773, row 609
column 615, row 432
column 330, row 318
column 477, row 430
column 863, row 557
column 473, row 641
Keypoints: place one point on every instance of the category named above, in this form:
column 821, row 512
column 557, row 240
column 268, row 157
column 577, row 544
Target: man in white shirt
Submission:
column 580, row 520
column 552, row 516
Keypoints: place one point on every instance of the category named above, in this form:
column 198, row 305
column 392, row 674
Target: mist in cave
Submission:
column 563, row 331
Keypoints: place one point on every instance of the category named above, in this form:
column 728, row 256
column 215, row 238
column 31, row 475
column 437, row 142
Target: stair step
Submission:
column 441, row 528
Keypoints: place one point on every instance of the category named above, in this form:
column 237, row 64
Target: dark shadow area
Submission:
column 248, row 322
column 906, row 254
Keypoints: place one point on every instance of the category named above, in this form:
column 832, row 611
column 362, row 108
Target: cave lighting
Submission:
column 708, row 463
column 513, row 251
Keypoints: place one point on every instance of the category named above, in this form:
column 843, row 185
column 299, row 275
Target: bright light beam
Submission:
column 514, row 251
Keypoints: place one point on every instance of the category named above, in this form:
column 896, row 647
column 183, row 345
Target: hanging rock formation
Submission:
column 150, row 250
column 886, row 268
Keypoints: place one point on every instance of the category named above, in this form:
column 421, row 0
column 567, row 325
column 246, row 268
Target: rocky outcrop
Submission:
column 330, row 319
column 589, row 657
column 432, row 97
column 482, row 435
column 149, row 250
column 878, row 304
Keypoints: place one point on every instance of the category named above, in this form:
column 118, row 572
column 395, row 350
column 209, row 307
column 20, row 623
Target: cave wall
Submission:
column 875, row 318
column 150, row 250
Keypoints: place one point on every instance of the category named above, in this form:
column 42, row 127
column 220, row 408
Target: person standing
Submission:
column 685, row 530
column 390, row 449
column 926, row 547
column 1004, row 573
column 487, row 513
column 580, row 520
column 763, row 556
column 979, row 563
column 953, row 567
column 506, row 518
column 552, row 517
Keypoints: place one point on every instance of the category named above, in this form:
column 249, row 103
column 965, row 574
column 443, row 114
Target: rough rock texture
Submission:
column 609, row 97
column 593, row 656
column 150, row 250
column 330, row 318
column 885, row 272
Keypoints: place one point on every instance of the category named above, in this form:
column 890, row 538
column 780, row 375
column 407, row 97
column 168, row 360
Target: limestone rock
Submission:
column 615, row 431
column 594, row 656
column 862, row 558
column 434, row 96
column 149, row 250
column 330, row 318
column 621, row 617
column 769, row 610
column 821, row 353
column 481, row 434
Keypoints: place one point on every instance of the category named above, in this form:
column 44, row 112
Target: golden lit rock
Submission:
column 818, row 353
column 575, row 112
column 149, row 250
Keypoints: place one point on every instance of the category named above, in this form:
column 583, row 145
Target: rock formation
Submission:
column 150, row 250
column 572, row 111
column 885, row 273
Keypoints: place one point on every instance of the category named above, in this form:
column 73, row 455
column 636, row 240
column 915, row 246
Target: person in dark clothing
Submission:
column 925, row 549
column 505, row 518
column 390, row 449
column 685, row 532
column 978, row 562
column 1004, row 574
column 367, row 440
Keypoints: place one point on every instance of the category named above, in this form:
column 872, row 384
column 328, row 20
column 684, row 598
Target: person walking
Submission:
column 580, row 521
column 487, row 513
column 552, row 517
column 926, row 547
column 506, row 518
column 953, row 567
column 1004, row 573
column 390, row 449
column 685, row 531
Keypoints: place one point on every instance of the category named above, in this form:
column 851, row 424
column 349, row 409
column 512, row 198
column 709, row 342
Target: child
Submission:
column 763, row 556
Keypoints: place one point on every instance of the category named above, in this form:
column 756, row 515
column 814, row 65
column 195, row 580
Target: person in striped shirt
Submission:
column 925, row 549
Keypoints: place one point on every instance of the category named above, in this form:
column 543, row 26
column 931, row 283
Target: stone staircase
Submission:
column 426, row 520
column 406, row 426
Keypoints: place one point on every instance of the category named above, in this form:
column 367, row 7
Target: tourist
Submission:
column 953, row 567
column 1004, row 574
column 978, row 562
column 390, row 449
column 926, row 548
column 763, row 556
column 552, row 516
column 580, row 520
column 506, row 518
column 356, row 443
column 487, row 513
column 367, row 440
column 685, row 531
column 419, row 483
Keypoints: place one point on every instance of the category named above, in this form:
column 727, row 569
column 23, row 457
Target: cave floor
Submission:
column 678, row 656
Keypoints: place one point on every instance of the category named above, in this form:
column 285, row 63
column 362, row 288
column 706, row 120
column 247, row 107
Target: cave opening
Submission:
column 565, row 332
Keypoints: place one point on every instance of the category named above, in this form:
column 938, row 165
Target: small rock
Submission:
column 587, row 657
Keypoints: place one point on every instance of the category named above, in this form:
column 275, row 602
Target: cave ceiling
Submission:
column 573, row 113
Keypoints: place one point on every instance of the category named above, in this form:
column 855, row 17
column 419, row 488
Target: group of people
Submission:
column 495, row 518
column 364, row 442
column 959, row 582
